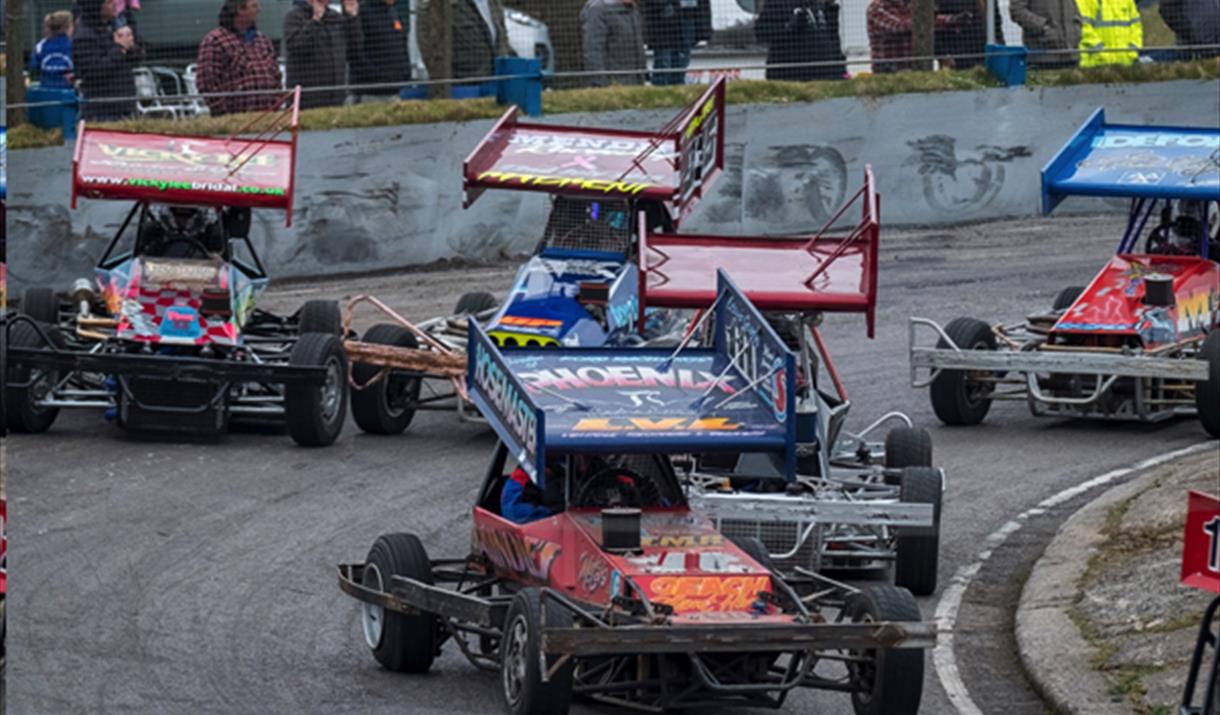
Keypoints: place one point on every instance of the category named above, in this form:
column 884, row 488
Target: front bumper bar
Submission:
column 174, row 367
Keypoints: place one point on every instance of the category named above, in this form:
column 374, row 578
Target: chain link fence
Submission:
column 187, row 58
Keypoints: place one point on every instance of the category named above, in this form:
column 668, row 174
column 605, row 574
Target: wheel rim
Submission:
column 332, row 393
column 396, row 395
column 372, row 618
column 976, row 391
column 42, row 384
column 864, row 672
column 514, row 664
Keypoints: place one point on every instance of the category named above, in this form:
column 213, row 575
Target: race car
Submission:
column 579, row 289
column 167, row 336
column 614, row 588
column 1139, row 342
column 847, row 502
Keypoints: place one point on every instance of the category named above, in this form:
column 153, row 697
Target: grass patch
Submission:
column 382, row 114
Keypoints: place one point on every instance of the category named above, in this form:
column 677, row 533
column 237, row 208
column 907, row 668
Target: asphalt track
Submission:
column 192, row 577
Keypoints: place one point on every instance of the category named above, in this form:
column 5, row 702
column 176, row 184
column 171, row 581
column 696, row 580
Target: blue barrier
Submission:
column 465, row 91
column 523, row 83
column 53, row 116
column 1006, row 63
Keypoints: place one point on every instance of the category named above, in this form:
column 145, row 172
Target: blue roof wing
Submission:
column 505, row 402
column 1134, row 161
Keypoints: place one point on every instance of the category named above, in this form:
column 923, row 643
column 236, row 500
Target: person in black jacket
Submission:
column 104, row 60
column 800, row 31
column 671, row 29
column 385, row 58
column 969, row 36
column 1194, row 22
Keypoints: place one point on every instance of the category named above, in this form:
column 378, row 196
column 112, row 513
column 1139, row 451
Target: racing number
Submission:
column 1212, row 528
column 699, row 155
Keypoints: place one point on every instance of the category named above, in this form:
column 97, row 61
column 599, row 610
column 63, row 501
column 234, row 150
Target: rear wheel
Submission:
column 1067, row 296
column 315, row 413
column 907, row 447
column 958, row 398
column 918, row 555
column 388, row 405
column 400, row 642
column 320, row 316
column 22, row 413
column 475, row 303
column 1207, row 392
column 521, row 682
column 41, row 304
column 888, row 681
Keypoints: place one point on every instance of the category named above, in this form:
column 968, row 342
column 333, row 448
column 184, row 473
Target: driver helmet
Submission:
column 1187, row 227
column 190, row 222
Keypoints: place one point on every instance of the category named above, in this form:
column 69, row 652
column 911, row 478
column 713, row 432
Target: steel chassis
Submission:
column 1209, row 637
column 608, row 642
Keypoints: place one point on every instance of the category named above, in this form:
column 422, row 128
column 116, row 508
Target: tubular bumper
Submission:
column 166, row 366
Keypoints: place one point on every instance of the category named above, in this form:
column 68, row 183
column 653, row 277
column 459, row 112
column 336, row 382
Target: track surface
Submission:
column 191, row 577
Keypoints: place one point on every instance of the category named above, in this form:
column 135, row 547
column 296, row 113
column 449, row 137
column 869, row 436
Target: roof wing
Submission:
column 254, row 167
column 829, row 271
column 736, row 396
column 1134, row 161
column 675, row 164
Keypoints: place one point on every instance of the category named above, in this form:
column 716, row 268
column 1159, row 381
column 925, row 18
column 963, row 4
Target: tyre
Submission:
column 889, row 681
column 400, row 642
column 956, row 399
column 320, row 316
column 1067, row 296
column 315, row 413
column 1207, row 393
column 475, row 303
column 388, row 405
column 21, row 414
column 521, row 683
column 907, row 447
column 756, row 550
column 41, row 304
column 918, row 555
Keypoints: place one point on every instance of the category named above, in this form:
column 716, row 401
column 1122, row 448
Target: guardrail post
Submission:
column 521, row 84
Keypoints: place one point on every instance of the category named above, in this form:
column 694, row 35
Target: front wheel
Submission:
column 520, row 654
column 320, row 316
column 917, row 556
column 1207, row 392
column 388, row 405
column 958, row 396
column 886, row 681
column 27, row 386
column 403, row 643
column 315, row 413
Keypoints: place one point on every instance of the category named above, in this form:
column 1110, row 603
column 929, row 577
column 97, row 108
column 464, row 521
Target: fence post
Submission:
column 14, row 89
column 923, row 31
column 440, row 64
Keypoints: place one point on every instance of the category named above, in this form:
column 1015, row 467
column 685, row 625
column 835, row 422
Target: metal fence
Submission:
column 183, row 58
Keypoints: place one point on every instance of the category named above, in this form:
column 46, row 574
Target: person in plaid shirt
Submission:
column 890, row 27
column 236, row 57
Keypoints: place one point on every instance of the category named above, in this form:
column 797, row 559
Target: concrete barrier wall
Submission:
column 391, row 197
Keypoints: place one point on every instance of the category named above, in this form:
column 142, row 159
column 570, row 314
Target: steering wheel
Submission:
column 617, row 486
column 199, row 250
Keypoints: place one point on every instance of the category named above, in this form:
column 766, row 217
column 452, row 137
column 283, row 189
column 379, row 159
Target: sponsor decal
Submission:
column 700, row 115
column 183, row 154
column 630, row 376
column 681, row 541
column 167, row 185
column 496, row 384
column 623, row 315
column 1212, row 529
column 1197, row 311
column 562, row 182
column 511, row 551
column 526, row 322
column 668, row 562
column 180, row 271
column 1156, row 139
column 661, row 424
column 592, row 572
column 586, row 146
column 761, row 363
column 708, row 593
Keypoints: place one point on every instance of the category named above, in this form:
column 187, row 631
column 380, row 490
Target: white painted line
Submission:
column 951, row 599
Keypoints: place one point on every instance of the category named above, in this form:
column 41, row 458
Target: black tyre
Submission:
column 1067, row 296
column 521, row 683
column 388, row 405
column 475, row 303
column 756, row 550
column 890, row 681
column 315, row 413
column 1207, row 393
column 21, row 413
column 957, row 399
column 320, row 316
column 400, row 642
column 907, row 447
column 918, row 555
column 41, row 304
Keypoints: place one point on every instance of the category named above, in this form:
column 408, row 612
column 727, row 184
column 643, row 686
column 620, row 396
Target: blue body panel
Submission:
column 1134, row 161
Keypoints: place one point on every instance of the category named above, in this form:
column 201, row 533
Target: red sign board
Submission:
column 1201, row 555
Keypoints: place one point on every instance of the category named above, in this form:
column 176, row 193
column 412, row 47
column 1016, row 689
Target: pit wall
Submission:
column 390, row 197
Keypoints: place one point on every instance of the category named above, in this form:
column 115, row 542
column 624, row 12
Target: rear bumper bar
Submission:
column 173, row 367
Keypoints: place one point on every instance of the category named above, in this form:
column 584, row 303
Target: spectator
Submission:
column 125, row 13
column 477, row 38
column 1050, row 29
column 968, row 38
column 671, row 29
column 890, row 25
column 1194, row 22
column 319, row 44
column 613, row 38
column 52, row 57
column 1111, row 32
column 103, row 60
column 236, row 57
column 801, row 31
column 385, row 59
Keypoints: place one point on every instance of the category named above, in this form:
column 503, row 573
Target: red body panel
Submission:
column 1113, row 303
column 684, row 562
column 1201, row 553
